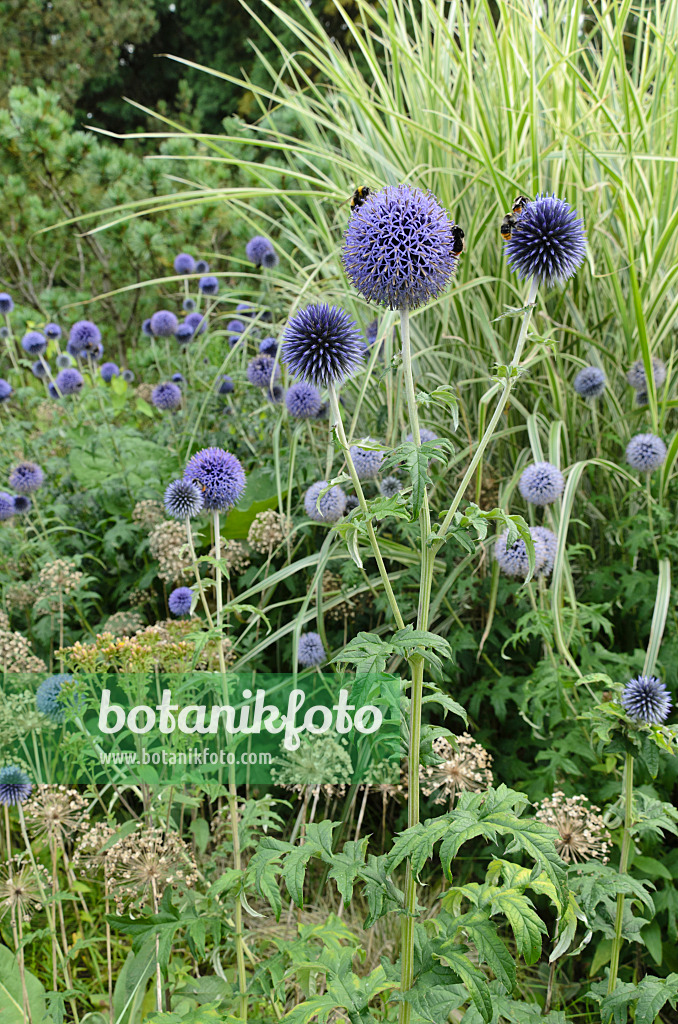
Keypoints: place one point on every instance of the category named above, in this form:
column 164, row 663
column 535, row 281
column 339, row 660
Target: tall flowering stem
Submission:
column 623, row 868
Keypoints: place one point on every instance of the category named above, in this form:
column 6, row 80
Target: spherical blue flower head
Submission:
column 366, row 461
column 6, row 303
column 39, row 370
column 637, row 377
column 331, row 507
column 146, row 327
column 5, row 389
column 22, row 504
column 183, row 499
column 275, row 394
column 261, row 370
column 549, row 541
column 52, row 331
column 390, row 486
column 197, row 322
column 69, row 381
column 188, row 305
column 63, row 361
column 34, row 343
column 372, row 332
column 83, row 338
column 259, row 249
column 127, row 376
column 590, row 382
column 645, row 452
column 209, row 285
column 548, row 241
column 7, row 509
column 311, row 651
column 321, row 344
column 513, row 559
column 425, row 434
column 303, row 401
column 184, row 263
column 180, row 601
column 226, row 385
column 202, row 267
column 26, row 478
column 399, row 247
column 268, row 347
column 4, row 332
column 184, row 333
column 541, row 483
column 48, row 698
column 108, row 371
column 235, row 327
column 219, row 474
column 647, row 700
column 93, row 351
column 177, row 378
column 15, row 786
column 245, row 309
column 166, row 396
column 164, row 324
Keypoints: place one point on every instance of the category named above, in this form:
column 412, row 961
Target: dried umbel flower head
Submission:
column 55, row 811
column 16, row 654
column 145, row 863
column 148, row 513
column 220, row 476
column 59, row 577
column 548, row 241
column 467, row 769
column 311, row 650
column 21, row 595
column 90, row 857
column 124, row 623
column 268, row 530
column 581, row 829
column 333, row 587
column 331, row 506
column 235, row 555
column 317, row 761
column 590, row 382
column 167, row 544
column 645, row 452
column 321, row 345
column 20, row 889
column 541, row 483
column 647, row 700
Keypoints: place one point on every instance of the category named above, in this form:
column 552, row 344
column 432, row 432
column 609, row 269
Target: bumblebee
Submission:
column 359, row 197
column 519, row 205
column 457, row 246
column 507, row 226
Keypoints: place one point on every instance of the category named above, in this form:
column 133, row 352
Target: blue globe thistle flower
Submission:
column 225, row 385
column 321, row 344
column 34, row 343
column 52, row 331
column 303, row 401
column 425, row 434
column 261, row 370
column 6, row 303
column 548, row 241
column 146, row 327
column 331, row 507
column 48, row 698
column 245, row 309
column 184, row 263
column 202, row 267
column 235, row 327
column 637, row 377
column 39, row 370
column 166, row 396
column 367, row 462
column 550, row 542
column 164, row 323
column 647, row 700
column 177, row 378
column 645, row 452
column 541, row 483
column 275, row 394
column 84, row 338
column 197, row 322
column 351, row 502
column 108, row 371
column 590, row 382
column 69, row 381
column 390, row 486
column 63, row 361
column 22, row 504
column 268, row 347
column 183, row 499
column 513, row 559
column 7, row 509
column 6, row 389
column 184, row 333
column 26, row 478
column 219, row 474
column 4, row 332
column 188, row 305
column 260, row 252
column 399, row 247
column 209, row 285
column 372, row 332
column 15, row 786
column 180, row 601
column 127, row 376
column 311, row 651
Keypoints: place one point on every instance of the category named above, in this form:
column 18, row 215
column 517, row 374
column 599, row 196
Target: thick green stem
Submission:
column 623, row 867
column 198, row 578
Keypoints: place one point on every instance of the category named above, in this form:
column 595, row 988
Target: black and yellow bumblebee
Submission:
column 510, row 220
column 359, row 197
column 457, row 246
column 519, row 205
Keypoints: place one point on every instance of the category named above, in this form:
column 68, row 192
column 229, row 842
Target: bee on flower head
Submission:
column 511, row 219
column 458, row 246
column 359, row 197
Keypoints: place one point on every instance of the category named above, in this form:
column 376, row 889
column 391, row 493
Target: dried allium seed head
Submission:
column 581, row 829
column 145, row 863
column 467, row 769
column 268, row 530
column 20, row 889
column 56, row 811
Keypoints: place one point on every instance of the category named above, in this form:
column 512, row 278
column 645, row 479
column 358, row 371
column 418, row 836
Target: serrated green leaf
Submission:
column 491, row 950
column 471, row 976
column 526, row 925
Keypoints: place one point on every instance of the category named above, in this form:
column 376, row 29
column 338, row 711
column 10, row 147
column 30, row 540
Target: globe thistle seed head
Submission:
column 399, row 247
column 166, row 396
column 225, row 385
column 367, row 462
column 590, row 382
column 548, row 241
column 645, row 452
column 331, row 507
column 63, row 361
column 26, row 478
column 321, row 344
column 268, row 347
column 15, row 786
column 69, row 381
column 202, row 267
column 84, row 338
column 303, row 401
column 235, row 327
column 183, row 499
column 542, row 483
column 108, row 371
column 220, row 476
column 513, row 558
column 275, row 394
column 209, row 285
column 637, row 377
column 48, row 697
column 6, row 303
column 22, row 504
column 188, row 305
column 164, row 324
column 34, row 343
column 646, row 699
column 390, row 486
column 550, row 546
column 260, row 248
column 177, row 378
column 180, row 601
column 184, row 333
column 146, row 327
column 261, row 370
column 245, row 309
column 184, row 263
column 39, row 370
column 311, row 651
column 197, row 322
column 52, row 331
column 425, row 434
column 128, row 376
column 7, row 509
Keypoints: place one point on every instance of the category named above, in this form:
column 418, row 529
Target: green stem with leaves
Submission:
column 623, row 867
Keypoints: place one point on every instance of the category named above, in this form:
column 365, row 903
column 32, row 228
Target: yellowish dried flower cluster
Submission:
column 16, row 654
column 57, row 579
column 467, row 769
column 268, row 530
column 148, row 513
column 167, row 544
column 235, row 555
column 582, row 834
column 124, row 624
column 21, row 595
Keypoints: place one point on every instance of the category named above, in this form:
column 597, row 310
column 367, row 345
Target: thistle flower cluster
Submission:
column 326, row 509
column 303, row 401
column 166, row 396
column 15, row 786
column 513, row 558
column 167, row 545
column 541, row 483
column 220, row 476
column 183, row 499
column 582, row 834
column 269, row 529
column 367, row 461
column 262, row 370
column 311, row 651
column 637, row 378
column 645, row 452
column 48, row 698
column 590, row 382
column 208, row 285
column 647, row 700
column 107, row 371
column 26, row 478
column 469, row 768
column 34, row 343
column 67, row 382
column 84, row 341
column 180, row 601
column 548, row 241
column 259, row 251
column 163, row 324
column 184, row 263
column 390, row 486
column 321, row 345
